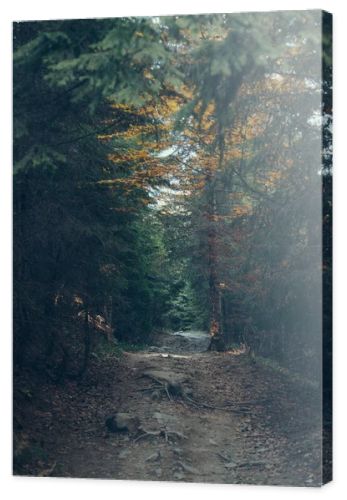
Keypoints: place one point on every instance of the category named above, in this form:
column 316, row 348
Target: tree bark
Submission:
column 216, row 330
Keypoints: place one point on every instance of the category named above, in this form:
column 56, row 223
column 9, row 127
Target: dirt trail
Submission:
column 236, row 421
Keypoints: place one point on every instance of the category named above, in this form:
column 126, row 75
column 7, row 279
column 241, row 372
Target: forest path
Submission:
column 227, row 422
column 236, row 421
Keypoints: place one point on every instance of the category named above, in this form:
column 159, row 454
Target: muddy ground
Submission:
column 229, row 419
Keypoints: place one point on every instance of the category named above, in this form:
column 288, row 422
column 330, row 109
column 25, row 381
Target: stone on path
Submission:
column 166, row 376
column 123, row 422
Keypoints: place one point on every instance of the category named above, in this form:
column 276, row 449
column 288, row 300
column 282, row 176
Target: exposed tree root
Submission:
column 162, row 432
column 230, row 406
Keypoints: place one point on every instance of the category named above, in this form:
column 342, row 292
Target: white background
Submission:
column 49, row 488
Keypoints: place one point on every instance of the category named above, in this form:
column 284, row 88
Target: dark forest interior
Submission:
column 172, row 197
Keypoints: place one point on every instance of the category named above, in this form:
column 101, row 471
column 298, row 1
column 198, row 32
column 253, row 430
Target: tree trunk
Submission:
column 87, row 343
column 216, row 330
column 108, row 308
